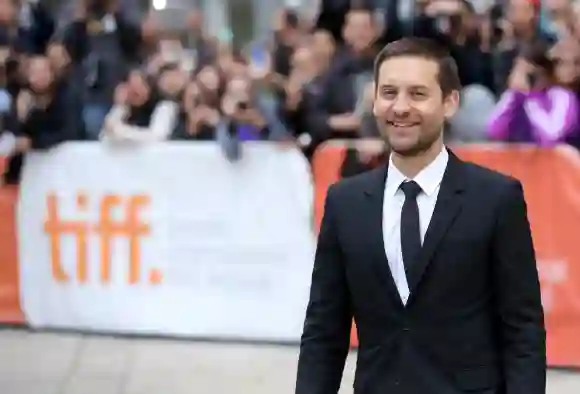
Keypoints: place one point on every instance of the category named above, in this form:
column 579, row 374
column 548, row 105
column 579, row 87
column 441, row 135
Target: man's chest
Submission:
column 391, row 215
column 457, row 246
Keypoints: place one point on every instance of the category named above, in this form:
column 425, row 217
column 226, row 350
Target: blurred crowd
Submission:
column 104, row 75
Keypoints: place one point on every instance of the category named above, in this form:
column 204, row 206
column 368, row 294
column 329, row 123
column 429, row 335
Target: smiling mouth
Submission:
column 402, row 124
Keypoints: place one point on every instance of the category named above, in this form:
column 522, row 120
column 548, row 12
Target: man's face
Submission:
column 359, row 31
column 209, row 78
column 409, row 105
column 7, row 11
column 322, row 45
column 172, row 81
column 40, row 73
column 521, row 13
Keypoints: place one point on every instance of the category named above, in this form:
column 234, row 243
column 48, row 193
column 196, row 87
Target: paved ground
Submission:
column 48, row 363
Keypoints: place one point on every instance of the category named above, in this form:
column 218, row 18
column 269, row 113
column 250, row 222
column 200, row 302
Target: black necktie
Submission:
column 410, row 230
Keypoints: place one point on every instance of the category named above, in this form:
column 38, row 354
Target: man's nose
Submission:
column 401, row 105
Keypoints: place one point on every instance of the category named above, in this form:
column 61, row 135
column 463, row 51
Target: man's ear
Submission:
column 451, row 104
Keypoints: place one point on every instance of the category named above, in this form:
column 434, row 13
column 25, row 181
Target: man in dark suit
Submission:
column 432, row 256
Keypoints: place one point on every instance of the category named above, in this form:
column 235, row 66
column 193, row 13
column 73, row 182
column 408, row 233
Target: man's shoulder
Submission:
column 351, row 186
column 484, row 178
column 476, row 176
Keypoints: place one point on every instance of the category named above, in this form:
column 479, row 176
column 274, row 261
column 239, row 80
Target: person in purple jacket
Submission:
column 534, row 108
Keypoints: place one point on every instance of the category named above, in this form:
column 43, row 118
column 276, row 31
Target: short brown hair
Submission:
column 422, row 47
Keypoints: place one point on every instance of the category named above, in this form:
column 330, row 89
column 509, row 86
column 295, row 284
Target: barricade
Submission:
column 170, row 239
column 117, row 241
column 551, row 180
column 10, row 311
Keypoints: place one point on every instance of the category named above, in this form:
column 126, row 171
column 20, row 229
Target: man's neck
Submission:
column 410, row 166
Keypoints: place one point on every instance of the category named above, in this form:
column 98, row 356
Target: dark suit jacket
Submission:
column 474, row 321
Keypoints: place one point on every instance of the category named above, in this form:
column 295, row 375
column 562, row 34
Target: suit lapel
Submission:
column 375, row 192
column 447, row 208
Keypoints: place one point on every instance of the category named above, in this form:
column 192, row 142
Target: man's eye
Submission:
column 419, row 95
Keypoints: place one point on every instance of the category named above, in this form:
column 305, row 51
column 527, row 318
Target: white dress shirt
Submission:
column 163, row 120
column 430, row 181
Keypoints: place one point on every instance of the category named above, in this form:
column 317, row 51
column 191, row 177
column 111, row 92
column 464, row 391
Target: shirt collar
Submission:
column 429, row 178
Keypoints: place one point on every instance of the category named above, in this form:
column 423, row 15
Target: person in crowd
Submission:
column 43, row 116
column 431, row 255
column 535, row 108
column 203, row 46
column 211, row 86
column 247, row 116
column 7, row 139
column 469, row 37
column 12, row 65
column 305, row 85
column 140, row 114
column 300, row 90
column 355, row 58
column 171, row 79
column 198, row 117
column 566, row 56
column 28, row 25
column 68, row 76
column 105, row 43
column 331, row 17
column 558, row 18
column 35, row 23
column 455, row 25
column 8, row 66
column 59, row 58
column 517, row 27
column 200, row 110
column 332, row 113
column 287, row 36
column 364, row 109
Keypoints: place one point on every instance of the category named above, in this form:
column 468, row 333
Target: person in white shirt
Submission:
column 432, row 257
column 140, row 114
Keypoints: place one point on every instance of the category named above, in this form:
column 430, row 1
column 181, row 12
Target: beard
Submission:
column 427, row 138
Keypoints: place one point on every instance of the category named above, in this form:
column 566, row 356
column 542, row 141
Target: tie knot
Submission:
column 411, row 189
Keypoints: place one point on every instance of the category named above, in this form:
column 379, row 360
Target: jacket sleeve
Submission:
column 521, row 327
column 129, row 35
column 49, row 135
column 326, row 336
column 76, row 40
column 552, row 125
column 499, row 123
